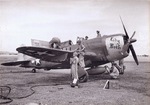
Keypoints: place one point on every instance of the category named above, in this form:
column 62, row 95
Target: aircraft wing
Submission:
column 46, row 54
column 15, row 63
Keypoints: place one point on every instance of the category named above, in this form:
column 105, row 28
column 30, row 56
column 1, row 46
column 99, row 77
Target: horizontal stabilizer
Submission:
column 15, row 63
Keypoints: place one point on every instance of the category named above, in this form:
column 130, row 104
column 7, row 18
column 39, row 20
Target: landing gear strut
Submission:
column 122, row 70
column 120, row 67
column 121, row 64
column 33, row 70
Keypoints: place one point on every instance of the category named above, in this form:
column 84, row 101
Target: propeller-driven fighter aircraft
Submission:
column 98, row 51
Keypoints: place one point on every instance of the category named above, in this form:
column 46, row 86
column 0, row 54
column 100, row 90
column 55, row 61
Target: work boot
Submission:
column 72, row 85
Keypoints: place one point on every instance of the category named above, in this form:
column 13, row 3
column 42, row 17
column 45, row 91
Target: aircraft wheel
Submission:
column 33, row 70
column 84, row 78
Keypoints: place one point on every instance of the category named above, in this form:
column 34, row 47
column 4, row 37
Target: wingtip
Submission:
column 19, row 49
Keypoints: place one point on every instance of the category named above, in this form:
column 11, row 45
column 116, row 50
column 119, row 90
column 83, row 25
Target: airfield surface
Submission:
column 53, row 87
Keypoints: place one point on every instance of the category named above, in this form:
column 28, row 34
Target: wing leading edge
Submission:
column 47, row 54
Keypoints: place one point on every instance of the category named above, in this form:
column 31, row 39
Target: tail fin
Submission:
column 21, row 57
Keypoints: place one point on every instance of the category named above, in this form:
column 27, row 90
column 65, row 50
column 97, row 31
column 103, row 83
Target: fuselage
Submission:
column 102, row 49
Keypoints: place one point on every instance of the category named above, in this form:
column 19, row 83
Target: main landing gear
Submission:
column 120, row 67
column 84, row 78
column 33, row 70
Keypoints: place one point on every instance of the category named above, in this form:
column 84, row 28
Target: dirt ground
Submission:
column 53, row 87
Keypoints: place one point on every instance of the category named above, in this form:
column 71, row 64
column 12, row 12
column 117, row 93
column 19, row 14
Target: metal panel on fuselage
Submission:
column 114, row 45
column 96, row 47
column 41, row 65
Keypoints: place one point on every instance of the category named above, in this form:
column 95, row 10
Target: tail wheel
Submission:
column 84, row 78
column 33, row 70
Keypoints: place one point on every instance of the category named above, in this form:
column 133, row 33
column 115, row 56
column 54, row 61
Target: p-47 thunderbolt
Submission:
column 98, row 51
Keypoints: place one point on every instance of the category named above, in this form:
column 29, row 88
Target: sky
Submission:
column 23, row 20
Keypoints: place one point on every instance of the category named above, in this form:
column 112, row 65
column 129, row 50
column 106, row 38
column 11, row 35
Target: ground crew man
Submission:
column 115, row 73
column 81, row 52
column 98, row 33
column 86, row 37
column 74, row 69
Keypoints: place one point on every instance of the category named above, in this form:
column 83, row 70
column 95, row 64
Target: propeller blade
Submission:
column 128, row 50
column 134, row 54
column 124, row 28
column 133, row 34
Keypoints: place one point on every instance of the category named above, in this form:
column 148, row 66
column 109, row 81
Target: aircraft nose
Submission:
column 133, row 40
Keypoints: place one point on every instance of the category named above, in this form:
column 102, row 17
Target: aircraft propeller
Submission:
column 129, row 41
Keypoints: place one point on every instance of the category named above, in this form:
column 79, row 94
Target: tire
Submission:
column 33, row 70
column 84, row 78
